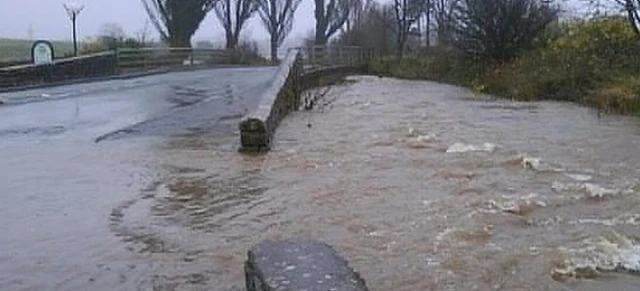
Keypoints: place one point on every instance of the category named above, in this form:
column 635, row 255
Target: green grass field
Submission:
column 19, row 49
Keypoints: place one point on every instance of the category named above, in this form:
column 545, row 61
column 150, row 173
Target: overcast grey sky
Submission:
column 48, row 20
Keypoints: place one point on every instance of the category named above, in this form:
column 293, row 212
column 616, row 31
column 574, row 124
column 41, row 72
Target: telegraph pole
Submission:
column 73, row 10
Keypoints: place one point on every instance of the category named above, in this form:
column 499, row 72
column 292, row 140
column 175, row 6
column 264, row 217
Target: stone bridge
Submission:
column 302, row 68
column 74, row 144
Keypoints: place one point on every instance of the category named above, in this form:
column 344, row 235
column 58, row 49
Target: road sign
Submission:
column 42, row 52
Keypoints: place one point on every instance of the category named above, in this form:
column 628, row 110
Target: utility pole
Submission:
column 73, row 10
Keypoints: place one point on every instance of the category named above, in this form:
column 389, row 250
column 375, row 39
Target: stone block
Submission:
column 299, row 265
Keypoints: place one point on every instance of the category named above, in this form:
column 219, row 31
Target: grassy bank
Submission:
column 593, row 62
column 12, row 50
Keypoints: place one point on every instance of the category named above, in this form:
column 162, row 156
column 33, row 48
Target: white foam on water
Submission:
column 463, row 148
column 377, row 233
column 440, row 236
column 554, row 220
column 590, row 190
column 579, row 177
column 419, row 135
column 561, row 187
column 597, row 191
column 611, row 252
column 626, row 219
column 531, row 163
column 426, row 138
column 515, row 205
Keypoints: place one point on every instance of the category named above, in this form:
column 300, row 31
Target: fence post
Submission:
column 117, row 56
column 352, row 59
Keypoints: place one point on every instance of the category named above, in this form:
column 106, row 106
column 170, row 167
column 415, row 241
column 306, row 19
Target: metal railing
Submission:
column 158, row 58
column 328, row 56
column 143, row 60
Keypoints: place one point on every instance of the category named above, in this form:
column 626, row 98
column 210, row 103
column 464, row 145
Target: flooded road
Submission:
column 69, row 163
column 422, row 186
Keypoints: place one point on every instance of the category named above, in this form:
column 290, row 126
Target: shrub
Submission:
column 108, row 43
column 620, row 96
column 569, row 66
column 437, row 64
column 91, row 46
column 247, row 53
column 500, row 29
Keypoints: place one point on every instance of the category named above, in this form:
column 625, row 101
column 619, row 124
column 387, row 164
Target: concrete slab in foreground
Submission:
column 297, row 265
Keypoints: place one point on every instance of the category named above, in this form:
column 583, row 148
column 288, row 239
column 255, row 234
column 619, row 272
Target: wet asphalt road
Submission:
column 71, row 155
column 155, row 105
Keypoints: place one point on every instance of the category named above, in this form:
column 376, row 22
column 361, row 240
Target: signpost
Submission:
column 42, row 52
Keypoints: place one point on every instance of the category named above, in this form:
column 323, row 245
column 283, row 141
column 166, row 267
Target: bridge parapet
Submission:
column 120, row 63
column 301, row 69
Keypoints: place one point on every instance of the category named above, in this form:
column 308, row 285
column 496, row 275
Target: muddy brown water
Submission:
column 422, row 186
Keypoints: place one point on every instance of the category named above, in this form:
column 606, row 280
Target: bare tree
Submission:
column 143, row 34
column 356, row 9
column 443, row 12
column 407, row 12
column 499, row 29
column 330, row 17
column 631, row 7
column 427, row 27
column 233, row 14
column 111, row 29
column 375, row 28
column 421, row 11
column 111, row 35
column 177, row 20
column 277, row 18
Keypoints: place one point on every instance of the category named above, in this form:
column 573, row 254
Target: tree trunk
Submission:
column 231, row 41
column 632, row 16
column 274, row 49
column 179, row 40
column 385, row 36
column 400, row 48
column 428, row 25
column 320, row 39
column 321, row 23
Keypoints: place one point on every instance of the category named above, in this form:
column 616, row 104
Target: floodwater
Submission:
column 422, row 186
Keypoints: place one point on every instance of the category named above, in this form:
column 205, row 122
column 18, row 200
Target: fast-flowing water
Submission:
column 422, row 186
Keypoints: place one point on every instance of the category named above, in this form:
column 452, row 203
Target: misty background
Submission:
column 47, row 19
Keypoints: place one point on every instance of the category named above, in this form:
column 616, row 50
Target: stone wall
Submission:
column 122, row 63
column 97, row 65
column 282, row 97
